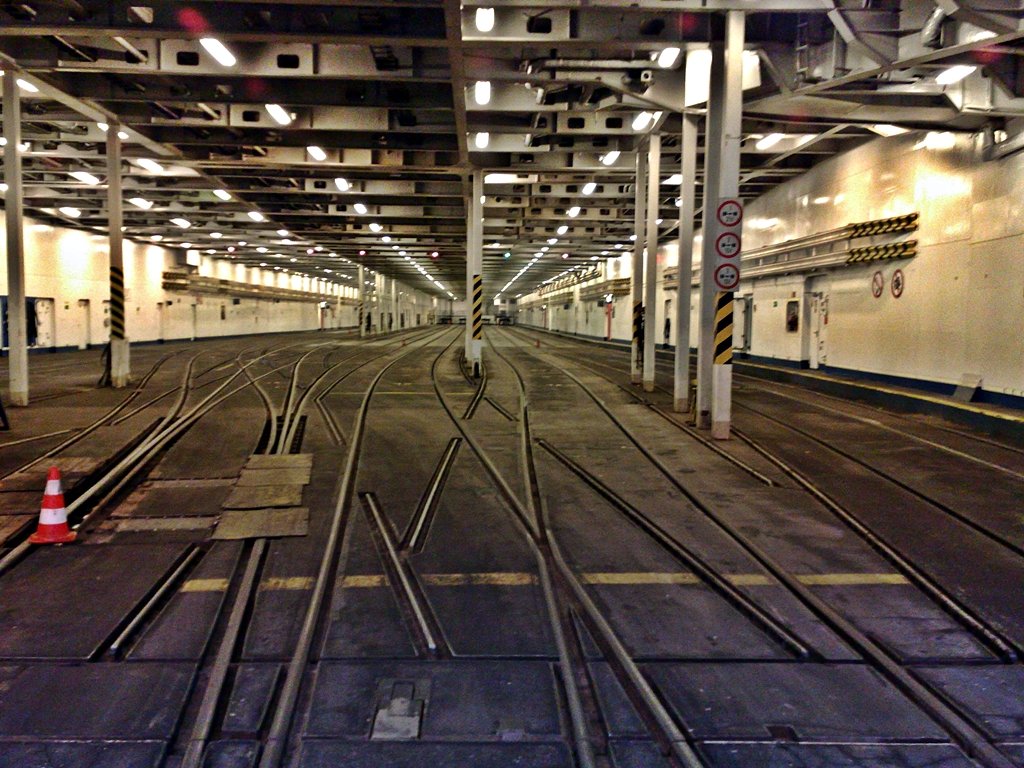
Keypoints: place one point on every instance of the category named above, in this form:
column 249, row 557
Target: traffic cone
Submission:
column 53, row 518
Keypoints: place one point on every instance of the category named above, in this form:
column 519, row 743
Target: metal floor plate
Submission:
column 478, row 700
column 94, row 701
column 782, row 755
column 88, row 754
column 259, row 496
column 63, row 602
column 330, row 754
column 262, row 523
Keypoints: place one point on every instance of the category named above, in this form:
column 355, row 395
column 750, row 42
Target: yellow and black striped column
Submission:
column 723, row 328
column 117, row 303
column 478, row 307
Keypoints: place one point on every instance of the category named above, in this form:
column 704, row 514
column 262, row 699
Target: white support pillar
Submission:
column 651, row 266
column 363, row 314
column 474, row 273
column 120, row 365
column 17, row 337
column 639, row 222
column 687, row 202
column 721, row 182
column 393, row 308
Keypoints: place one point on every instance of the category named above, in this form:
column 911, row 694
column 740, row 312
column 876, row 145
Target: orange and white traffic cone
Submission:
column 53, row 517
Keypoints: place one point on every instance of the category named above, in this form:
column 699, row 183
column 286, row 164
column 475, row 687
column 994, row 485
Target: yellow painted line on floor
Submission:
column 204, row 585
column 639, row 578
column 630, row 578
column 493, row 579
column 287, row 582
column 386, row 392
column 851, row 579
column 376, row 580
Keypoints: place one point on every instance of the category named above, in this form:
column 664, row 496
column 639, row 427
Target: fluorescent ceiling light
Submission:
column 573, row 212
column 280, row 115
column 483, row 138
column 216, row 48
column 283, row 232
column 884, row 129
column 157, row 238
column 150, row 165
column 769, row 141
column 386, row 239
column 642, row 121
column 552, row 241
column 223, row 194
column 316, row 153
column 955, row 74
column 562, row 229
column 67, row 210
column 937, row 140
column 25, row 85
column 500, row 178
column 484, row 19
column 482, row 92
column 216, row 235
column 183, row 223
column 610, row 157
column 375, row 227
column 675, row 179
column 255, row 215
column 668, row 57
column 85, row 177
column 342, row 184
column 589, row 187
column 360, row 208
column 141, row 202
column 261, row 249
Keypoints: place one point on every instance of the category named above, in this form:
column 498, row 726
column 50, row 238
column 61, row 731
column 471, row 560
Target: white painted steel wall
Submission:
column 962, row 309
column 71, row 267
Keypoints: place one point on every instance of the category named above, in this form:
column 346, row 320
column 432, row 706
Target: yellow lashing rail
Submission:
column 905, row 223
column 902, row 250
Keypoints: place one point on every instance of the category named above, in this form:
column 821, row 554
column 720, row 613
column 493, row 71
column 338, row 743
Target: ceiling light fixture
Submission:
column 255, row 216
column 141, row 202
column 954, row 74
column 316, row 153
column 25, row 85
column 85, row 177
column 562, row 229
column 150, row 165
column 589, row 187
column 668, row 57
column 573, row 212
column 484, row 19
column 342, row 184
column 223, row 194
column 769, row 141
column 610, row 157
column 219, row 51
column 280, row 115
column 482, row 92
column 887, row 130
column 183, row 223
column 359, row 208
column 675, row 179
column 375, row 227
column 483, row 138
column 67, row 210
column 642, row 121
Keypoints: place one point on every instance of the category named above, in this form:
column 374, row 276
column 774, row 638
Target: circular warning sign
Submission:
column 877, row 284
column 727, row 277
column 727, row 244
column 898, row 283
column 730, row 213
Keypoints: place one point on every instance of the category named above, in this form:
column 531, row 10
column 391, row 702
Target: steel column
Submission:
column 687, row 202
column 721, row 180
column 120, row 365
column 651, row 266
column 639, row 221
column 17, row 337
column 474, row 274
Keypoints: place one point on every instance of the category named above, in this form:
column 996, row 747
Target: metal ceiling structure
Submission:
column 380, row 119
